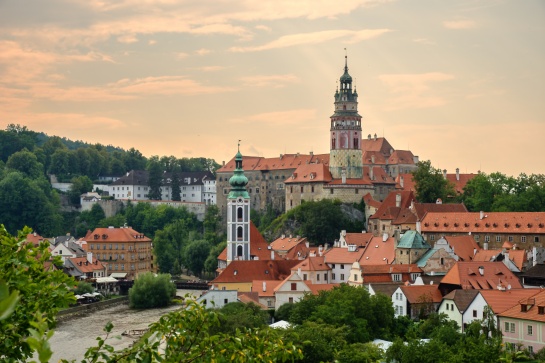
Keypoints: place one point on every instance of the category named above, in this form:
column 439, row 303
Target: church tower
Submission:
column 238, row 214
column 345, row 134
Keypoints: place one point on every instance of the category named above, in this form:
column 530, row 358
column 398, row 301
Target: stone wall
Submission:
column 76, row 311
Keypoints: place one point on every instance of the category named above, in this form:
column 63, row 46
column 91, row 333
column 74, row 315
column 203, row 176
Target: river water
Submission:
column 73, row 337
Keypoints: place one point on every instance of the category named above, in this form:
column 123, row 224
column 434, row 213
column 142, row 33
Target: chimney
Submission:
column 418, row 227
column 264, row 286
column 485, row 246
column 299, row 272
column 311, row 153
column 481, row 270
column 401, row 181
column 371, row 174
column 307, row 244
column 396, row 235
column 272, row 254
column 458, row 174
column 445, row 173
column 343, row 175
column 375, row 137
column 372, row 159
column 481, row 214
column 343, row 232
column 223, row 163
column 320, row 250
column 281, row 155
column 90, row 257
column 416, row 159
column 369, row 137
column 398, row 200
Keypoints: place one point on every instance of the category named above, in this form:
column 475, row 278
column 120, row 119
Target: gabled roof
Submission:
column 533, row 303
column 310, row 173
column 385, row 288
column 463, row 246
column 421, row 293
column 379, row 252
column 385, row 211
column 250, row 297
column 312, row 264
column 358, row 239
column 115, row 235
column 492, row 222
column 405, row 216
column 84, row 266
column 462, row 298
column 368, row 199
column 469, row 275
column 248, row 271
column 342, row 255
column 500, row 301
column 373, row 157
column 518, row 257
column 376, row 144
column 316, row 288
column 420, row 209
column 270, row 286
column 401, row 157
column 34, row 238
column 283, row 162
column 413, row 240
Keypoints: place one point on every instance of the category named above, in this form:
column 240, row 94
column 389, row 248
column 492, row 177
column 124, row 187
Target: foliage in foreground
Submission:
column 41, row 293
column 151, row 291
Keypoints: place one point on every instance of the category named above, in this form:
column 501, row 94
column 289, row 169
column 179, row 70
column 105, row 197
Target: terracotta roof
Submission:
column 518, row 257
column 358, row 239
column 467, row 275
column 373, row 157
column 407, row 180
column 463, row 246
column 316, row 288
column 342, row 255
column 534, row 303
column 405, row 216
column 312, row 264
column 462, row 298
column 379, row 175
column 368, row 199
column 500, row 301
column 310, row 173
column 420, row 209
column 258, row 246
column 376, row 144
column 492, row 222
column 248, row 271
column 378, row 252
column 34, row 238
column 250, row 297
column 390, row 269
column 350, row 181
column 116, row 235
column 422, row 293
column 286, row 161
column 384, row 212
column 270, row 286
column 401, row 157
column 84, row 266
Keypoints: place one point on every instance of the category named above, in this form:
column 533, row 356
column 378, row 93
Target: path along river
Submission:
column 72, row 338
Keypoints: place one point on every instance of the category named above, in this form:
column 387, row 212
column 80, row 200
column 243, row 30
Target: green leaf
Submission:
column 7, row 305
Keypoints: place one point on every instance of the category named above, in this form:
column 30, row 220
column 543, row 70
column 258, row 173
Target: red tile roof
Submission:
column 492, row 222
column 373, row 157
column 310, row 173
column 408, row 182
column 376, row 144
column 84, row 266
column 467, row 275
column 533, row 303
column 312, row 264
column 342, row 255
column 463, row 246
column 116, row 235
column 358, row 239
column 316, row 288
column 422, row 293
column 270, row 286
column 368, row 199
column 258, row 246
column 287, row 161
column 385, row 211
column 34, row 238
column 401, row 157
column 420, row 209
column 248, row 271
column 499, row 301
column 518, row 257
column 378, row 252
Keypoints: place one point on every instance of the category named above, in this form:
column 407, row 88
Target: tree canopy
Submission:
column 430, row 184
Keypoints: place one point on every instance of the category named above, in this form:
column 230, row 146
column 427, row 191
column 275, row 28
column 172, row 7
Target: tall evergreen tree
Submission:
column 175, row 184
column 154, row 179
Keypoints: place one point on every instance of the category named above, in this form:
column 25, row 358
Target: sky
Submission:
column 460, row 83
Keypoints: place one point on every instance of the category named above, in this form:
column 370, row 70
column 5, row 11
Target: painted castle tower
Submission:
column 345, row 133
column 238, row 214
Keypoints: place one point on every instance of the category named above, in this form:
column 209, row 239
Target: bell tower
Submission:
column 238, row 214
column 345, row 132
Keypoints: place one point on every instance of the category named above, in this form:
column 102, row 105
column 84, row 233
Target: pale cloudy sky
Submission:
column 461, row 83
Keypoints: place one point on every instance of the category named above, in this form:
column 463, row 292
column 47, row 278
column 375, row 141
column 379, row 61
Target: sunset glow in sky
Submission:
column 461, row 83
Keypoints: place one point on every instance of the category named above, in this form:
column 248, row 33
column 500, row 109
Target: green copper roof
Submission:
column 412, row 239
column 346, row 77
column 238, row 181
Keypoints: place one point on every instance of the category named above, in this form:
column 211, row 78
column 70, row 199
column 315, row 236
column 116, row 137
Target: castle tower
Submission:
column 238, row 214
column 345, row 133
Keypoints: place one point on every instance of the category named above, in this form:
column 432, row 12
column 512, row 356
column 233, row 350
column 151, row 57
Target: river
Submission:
column 73, row 337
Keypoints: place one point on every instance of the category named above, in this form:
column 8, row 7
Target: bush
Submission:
column 83, row 288
column 151, row 291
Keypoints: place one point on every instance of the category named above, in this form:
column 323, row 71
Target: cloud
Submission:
column 424, row 41
column 274, row 81
column 127, row 39
column 165, row 85
column 278, row 118
column 414, row 90
column 203, row 51
column 350, row 36
column 263, row 27
column 459, row 24
column 210, row 68
column 181, row 55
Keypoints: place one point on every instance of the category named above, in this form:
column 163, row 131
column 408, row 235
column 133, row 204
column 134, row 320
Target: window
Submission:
column 257, row 190
column 342, row 267
column 541, row 310
column 293, row 286
column 506, row 327
column 531, row 349
column 305, row 277
column 512, row 327
column 342, row 277
column 536, row 239
column 269, row 303
column 487, row 238
column 290, row 300
column 498, row 238
column 523, row 239
column 396, row 277
column 432, row 237
column 325, row 277
column 477, row 238
column 225, row 301
column 333, row 276
column 317, row 277
column 474, row 313
column 510, row 238
column 530, row 330
column 356, row 190
column 92, row 247
column 331, row 191
column 401, row 310
column 302, row 189
column 312, row 191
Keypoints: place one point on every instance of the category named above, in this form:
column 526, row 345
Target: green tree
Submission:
column 155, row 179
column 237, row 316
column 42, row 291
column 27, row 163
column 430, row 184
column 213, row 228
column 211, row 263
column 83, row 287
column 319, row 342
column 150, row 291
column 360, row 353
column 195, row 254
column 175, row 185
column 80, row 185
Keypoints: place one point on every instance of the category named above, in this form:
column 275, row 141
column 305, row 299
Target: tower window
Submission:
column 239, row 251
column 239, row 233
column 239, row 214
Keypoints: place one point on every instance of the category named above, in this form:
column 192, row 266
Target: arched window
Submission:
column 442, row 261
column 344, row 107
column 239, row 251
column 239, row 233
column 239, row 214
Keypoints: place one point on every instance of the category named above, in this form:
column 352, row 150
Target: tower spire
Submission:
column 345, row 60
